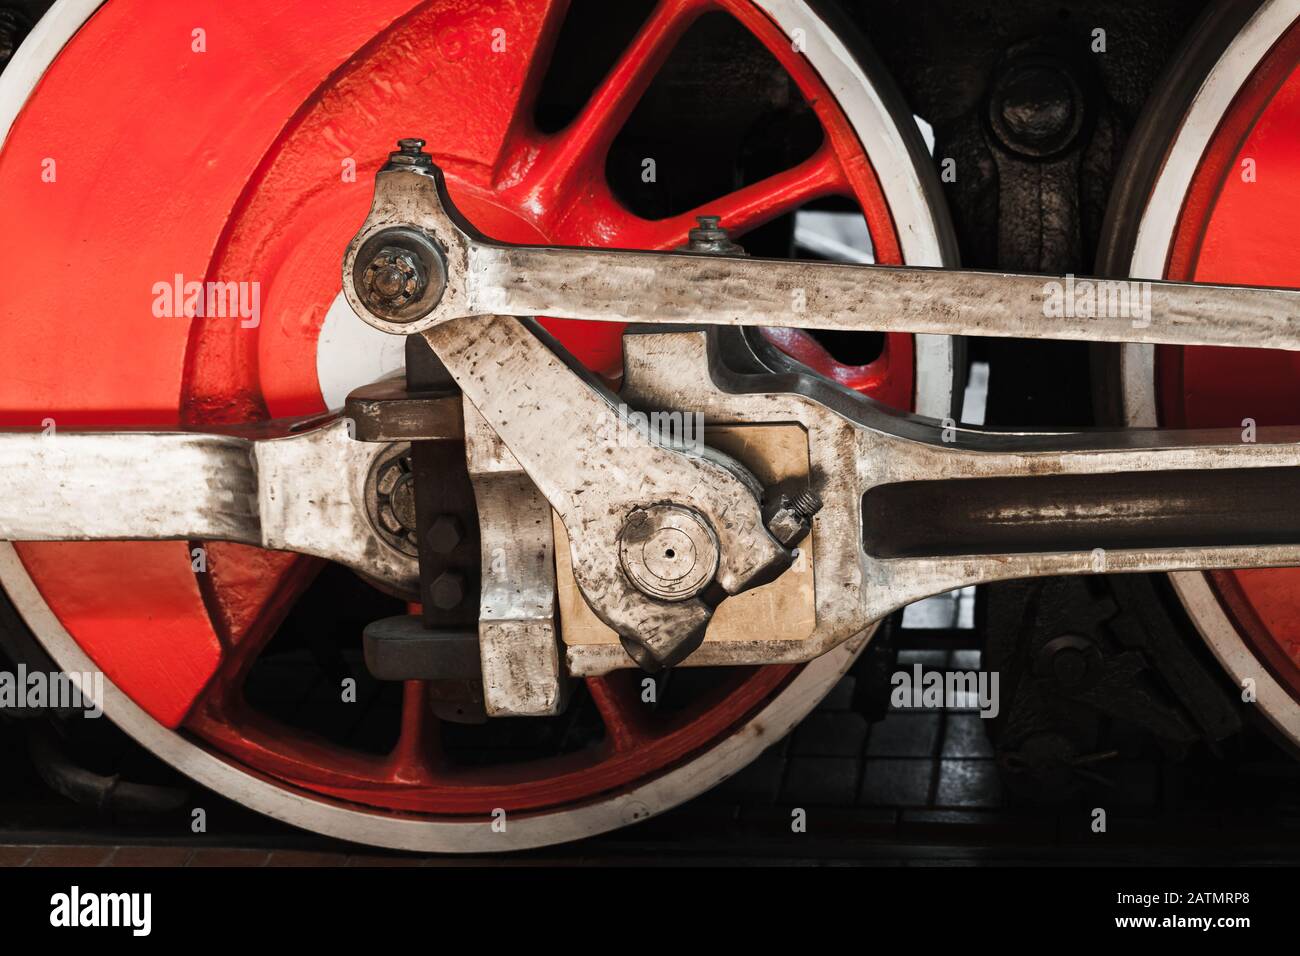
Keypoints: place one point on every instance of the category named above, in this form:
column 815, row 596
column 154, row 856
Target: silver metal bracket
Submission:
column 519, row 643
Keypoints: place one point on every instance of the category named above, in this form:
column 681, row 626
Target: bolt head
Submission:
column 710, row 238
column 410, row 154
column 445, row 533
column 448, row 590
column 791, row 520
column 388, row 280
column 399, row 275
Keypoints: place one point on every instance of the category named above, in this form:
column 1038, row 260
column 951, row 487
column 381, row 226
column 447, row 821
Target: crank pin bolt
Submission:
column 394, row 277
column 668, row 551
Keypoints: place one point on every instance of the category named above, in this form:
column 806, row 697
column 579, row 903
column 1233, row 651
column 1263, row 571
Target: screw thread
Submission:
column 807, row 504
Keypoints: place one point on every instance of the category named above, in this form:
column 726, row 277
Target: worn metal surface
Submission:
column 518, row 639
column 668, row 551
column 684, row 289
column 510, row 376
column 916, row 538
column 596, row 467
column 860, row 452
column 388, row 411
column 304, row 492
column 779, row 610
column 487, row 278
column 129, row 486
column 401, row 648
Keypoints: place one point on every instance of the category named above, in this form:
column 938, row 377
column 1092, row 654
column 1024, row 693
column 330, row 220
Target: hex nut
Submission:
column 393, row 278
column 444, row 534
column 448, row 590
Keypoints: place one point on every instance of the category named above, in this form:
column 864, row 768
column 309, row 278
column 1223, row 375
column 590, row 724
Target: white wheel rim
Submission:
column 1137, row 362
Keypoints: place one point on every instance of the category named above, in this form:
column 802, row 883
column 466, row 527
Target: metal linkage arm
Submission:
column 124, row 485
column 418, row 264
column 301, row 492
column 984, row 507
column 667, row 288
column 914, row 508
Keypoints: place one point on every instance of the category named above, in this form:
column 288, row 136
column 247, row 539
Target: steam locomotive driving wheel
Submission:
column 238, row 143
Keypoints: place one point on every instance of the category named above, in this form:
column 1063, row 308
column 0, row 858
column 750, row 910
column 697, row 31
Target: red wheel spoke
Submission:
column 618, row 699
column 414, row 757
column 601, row 220
column 578, row 152
column 249, row 592
column 761, row 202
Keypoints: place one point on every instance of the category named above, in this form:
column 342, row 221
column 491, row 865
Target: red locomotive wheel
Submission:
column 1224, row 207
column 150, row 145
